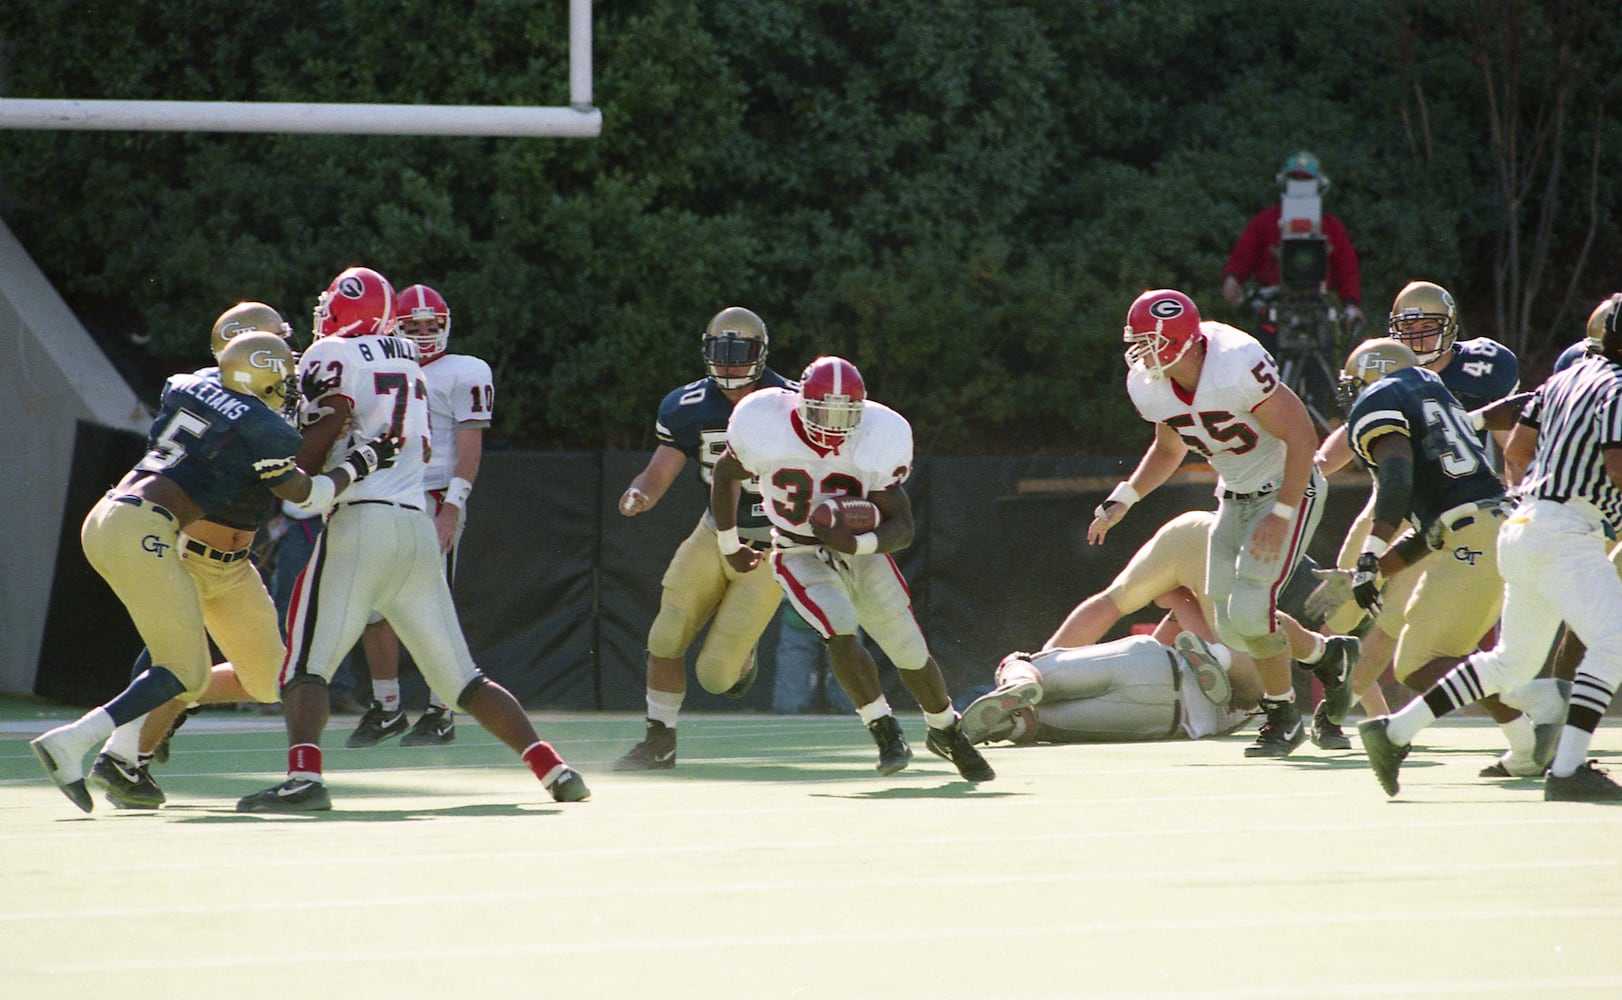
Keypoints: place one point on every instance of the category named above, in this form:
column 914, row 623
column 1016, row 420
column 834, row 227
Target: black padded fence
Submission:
column 556, row 590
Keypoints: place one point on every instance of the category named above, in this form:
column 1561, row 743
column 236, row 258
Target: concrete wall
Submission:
column 53, row 375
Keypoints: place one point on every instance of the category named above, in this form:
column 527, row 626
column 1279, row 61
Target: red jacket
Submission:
column 1255, row 255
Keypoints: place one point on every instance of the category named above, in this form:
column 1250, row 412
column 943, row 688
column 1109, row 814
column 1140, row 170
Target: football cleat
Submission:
column 376, row 726
column 569, row 787
column 292, row 795
column 1281, row 733
column 61, row 752
column 991, row 716
column 894, row 753
column 160, row 753
column 656, row 752
column 1327, row 735
column 1334, row 672
column 436, row 727
column 951, row 744
column 1385, row 757
column 1588, row 783
column 127, row 786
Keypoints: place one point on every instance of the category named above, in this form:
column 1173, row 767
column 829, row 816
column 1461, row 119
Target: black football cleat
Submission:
column 1281, row 733
column 376, row 726
column 127, row 786
column 894, row 753
column 952, row 745
column 292, row 795
column 435, row 728
column 656, row 752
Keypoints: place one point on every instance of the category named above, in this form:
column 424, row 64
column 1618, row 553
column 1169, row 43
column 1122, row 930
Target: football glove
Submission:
column 365, row 459
column 1361, row 584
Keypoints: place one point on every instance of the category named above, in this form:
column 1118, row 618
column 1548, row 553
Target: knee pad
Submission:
column 465, row 699
column 669, row 635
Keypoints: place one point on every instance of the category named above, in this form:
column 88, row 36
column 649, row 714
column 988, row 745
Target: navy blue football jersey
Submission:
column 693, row 420
column 1450, row 465
column 1483, row 370
column 215, row 443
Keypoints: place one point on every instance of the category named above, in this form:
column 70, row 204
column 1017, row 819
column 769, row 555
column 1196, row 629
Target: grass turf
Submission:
column 772, row 862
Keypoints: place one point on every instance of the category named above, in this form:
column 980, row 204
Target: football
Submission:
column 858, row 515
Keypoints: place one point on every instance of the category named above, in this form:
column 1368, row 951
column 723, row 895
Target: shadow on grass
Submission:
column 226, row 813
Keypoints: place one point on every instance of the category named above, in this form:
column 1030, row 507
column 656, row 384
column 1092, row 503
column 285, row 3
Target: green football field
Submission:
column 773, row 863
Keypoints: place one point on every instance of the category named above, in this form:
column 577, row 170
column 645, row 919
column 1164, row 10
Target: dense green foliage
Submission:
column 961, row 196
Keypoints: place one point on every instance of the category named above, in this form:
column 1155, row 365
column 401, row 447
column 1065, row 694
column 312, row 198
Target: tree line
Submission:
column 961, row 196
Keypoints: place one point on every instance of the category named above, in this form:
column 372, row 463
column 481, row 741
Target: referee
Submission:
column 1552, row 554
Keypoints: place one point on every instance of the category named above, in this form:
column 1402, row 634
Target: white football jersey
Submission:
column 388, row 393
column 795, row 475
column 1218, row 420
column 461, row 396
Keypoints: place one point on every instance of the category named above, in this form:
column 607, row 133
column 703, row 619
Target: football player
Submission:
column 1211, row 388
column 1169, row 571
column 1133, row 689
column 1478, row 372
column 699, row 585
column 1431, row 470
column 461, row 403
column 379, row 550
column 237, row 610
column 822, row 441
column 212, row 439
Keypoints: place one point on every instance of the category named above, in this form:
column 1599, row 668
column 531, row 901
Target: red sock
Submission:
column 542, row 759
column 305, row 758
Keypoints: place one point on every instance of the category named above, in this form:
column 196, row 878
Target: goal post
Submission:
column 580, row 120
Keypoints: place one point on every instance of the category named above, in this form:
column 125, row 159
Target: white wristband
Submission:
column 1283, row 510
column 867, row 543
column 1377, row 546
column 728, row 541
column 1123, row 493
column 458, row 491
column 1478, row 420
column 321, row 494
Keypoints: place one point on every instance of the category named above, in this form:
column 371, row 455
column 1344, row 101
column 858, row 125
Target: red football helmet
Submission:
column 831, row 399
column 421, row 316
column 1161, row 326
column 358, row 303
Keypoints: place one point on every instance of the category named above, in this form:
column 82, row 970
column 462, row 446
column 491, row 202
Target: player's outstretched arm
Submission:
column 650, row 484
column 1165, row 454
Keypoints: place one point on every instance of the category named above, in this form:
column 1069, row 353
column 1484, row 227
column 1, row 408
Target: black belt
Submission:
column 207, row 552
column 1176, row 695
column 386, row 503
column 138, row 501
column 1231, row 495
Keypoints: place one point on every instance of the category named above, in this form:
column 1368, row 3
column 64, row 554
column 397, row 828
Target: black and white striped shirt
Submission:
column 1578, row 413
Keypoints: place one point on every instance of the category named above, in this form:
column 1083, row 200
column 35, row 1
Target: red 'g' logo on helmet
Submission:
column 351, row 287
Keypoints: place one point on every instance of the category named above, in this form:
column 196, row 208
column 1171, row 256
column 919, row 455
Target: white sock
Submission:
column 665, row 706
column 943, row 719
column 388, row 693
column 1407, row 723
column 1572, row 752
column 1318, row 648
column 1518, row 731
column 125, row 743
column 874, row 711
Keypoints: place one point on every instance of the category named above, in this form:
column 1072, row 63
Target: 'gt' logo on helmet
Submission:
column 351, row 287
column 1375, row 363
column 1165, row 308
column 267, row 359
